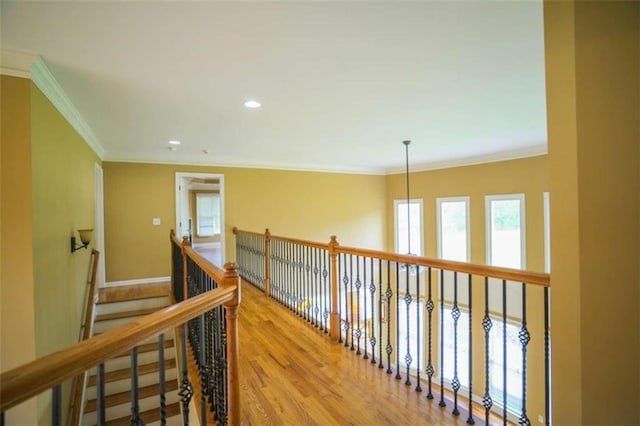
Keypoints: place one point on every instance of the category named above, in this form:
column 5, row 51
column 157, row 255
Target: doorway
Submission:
column 200, row 213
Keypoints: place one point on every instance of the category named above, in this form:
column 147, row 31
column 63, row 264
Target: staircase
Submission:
column 117, row 306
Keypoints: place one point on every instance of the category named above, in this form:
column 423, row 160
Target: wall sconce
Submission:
column 85, row 238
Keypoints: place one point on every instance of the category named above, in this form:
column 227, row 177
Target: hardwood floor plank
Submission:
column 291, row 373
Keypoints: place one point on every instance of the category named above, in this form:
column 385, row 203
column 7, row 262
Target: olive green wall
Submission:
column 593, row 109
column 303, row 204
column 47, row 193
column 63, row 192
column 17, row 328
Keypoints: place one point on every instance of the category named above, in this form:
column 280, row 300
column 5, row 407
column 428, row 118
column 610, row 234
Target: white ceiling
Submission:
column 341, row 83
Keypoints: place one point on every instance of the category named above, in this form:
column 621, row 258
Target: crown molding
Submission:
column 530, row 151
column 16, row 63
column 47, row 83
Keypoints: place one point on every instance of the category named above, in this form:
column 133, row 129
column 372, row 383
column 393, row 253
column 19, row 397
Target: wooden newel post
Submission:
column 233, row 367
column 334, row 319
column 267, row 262
column 185, row 244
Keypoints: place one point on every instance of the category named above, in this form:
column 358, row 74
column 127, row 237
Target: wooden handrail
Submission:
column 315, row 244
column 30, row 379
column 518, row 275
column 529, row 277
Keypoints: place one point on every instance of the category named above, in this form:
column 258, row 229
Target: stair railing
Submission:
column 208, row 335
column 49, row 372
column 451, row 326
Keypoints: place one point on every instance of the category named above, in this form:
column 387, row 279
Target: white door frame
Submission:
column 99, row 225
column 179, row 202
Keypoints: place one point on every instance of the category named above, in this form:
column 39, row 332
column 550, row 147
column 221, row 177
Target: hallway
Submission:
column 292, row 374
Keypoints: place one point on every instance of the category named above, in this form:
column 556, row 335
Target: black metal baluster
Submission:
column 308, row 297
column 299, row 280
column 407, row 301
column 504, row 351
column 380, row 313
column 358, row 326
column 56, row 405
column 303, row 282
column 186, row 389
column 441, row 340
column 351, row 300
column 345, row 281
column 524, row 337
column 162, row 379
column 223, row 360
column 342, row 259
column 388, row 296
column 203, row 376
column 487, row 401
column 547, row 360
column 317, row 288
column 430, row 307
column 455, row 314
column 470, row 419
column 275, row 270
column 364, row 301
column 327, row 292
column 215, row 363
column 418, row 335
column 289, row 265
column 135, row 409
column 397, row 321
column 372, row 290
column 100, row 408
column 203, row 373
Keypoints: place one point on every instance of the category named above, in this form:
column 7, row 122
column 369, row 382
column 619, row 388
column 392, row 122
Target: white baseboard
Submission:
column 138, row 281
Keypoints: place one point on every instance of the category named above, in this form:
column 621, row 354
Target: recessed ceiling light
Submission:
column 252, row 104
column 174, row 142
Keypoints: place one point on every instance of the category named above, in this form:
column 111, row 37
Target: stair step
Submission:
column 125, row 397
column 109, row 307
column 125, row 384
column 133, row 292
column 148, row 416
column 125, row 314
column 125, row 373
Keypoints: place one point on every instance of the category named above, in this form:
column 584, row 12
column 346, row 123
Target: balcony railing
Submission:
column 467, row 335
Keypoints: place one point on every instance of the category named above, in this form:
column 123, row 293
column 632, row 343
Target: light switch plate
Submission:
column 156, row 221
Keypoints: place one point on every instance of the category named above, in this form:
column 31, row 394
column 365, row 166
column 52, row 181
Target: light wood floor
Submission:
column 293, row 374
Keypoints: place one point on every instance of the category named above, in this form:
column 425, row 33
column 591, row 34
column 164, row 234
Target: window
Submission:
column 453, row 228
column 514, row 365
column 505, row 247
column 505, row 230
column 208, row 214
column 410, row 329
column 408, row 226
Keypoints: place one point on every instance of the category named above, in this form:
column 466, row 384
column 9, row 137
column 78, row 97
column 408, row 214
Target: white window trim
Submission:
column 523, row 226
column 395, row 222
column 439, row 202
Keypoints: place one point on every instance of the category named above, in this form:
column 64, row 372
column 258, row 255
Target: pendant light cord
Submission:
column 406, row 144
